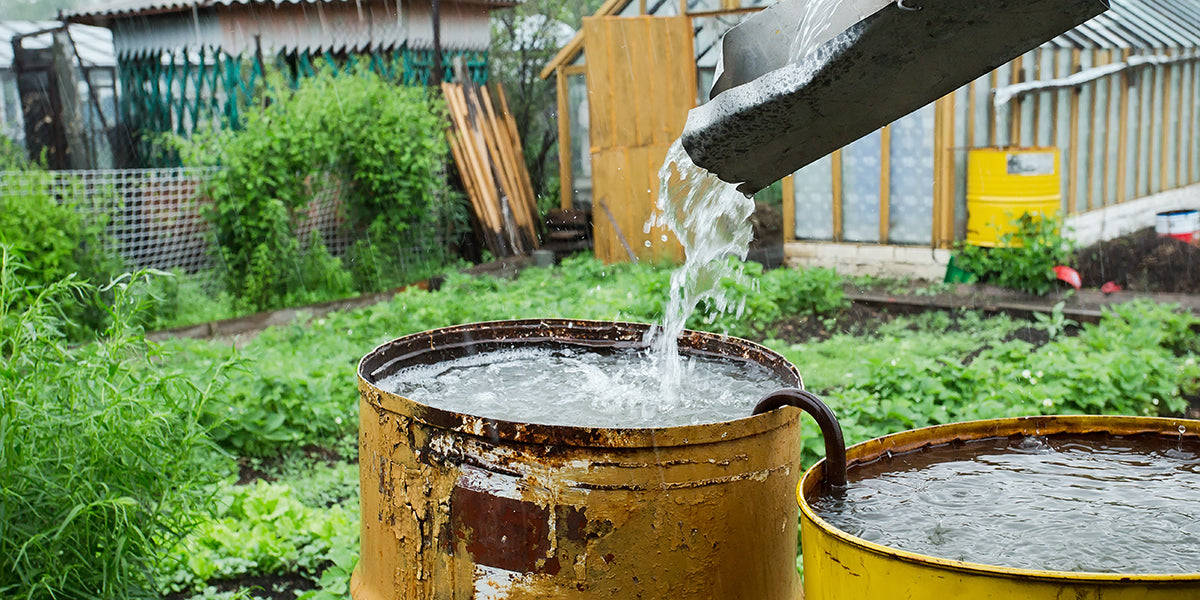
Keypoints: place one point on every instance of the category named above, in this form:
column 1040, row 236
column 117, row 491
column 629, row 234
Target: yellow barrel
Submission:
column 456, row 506
column 1005, row 183
column 838, row 566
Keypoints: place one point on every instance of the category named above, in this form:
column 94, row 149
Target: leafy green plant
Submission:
column 55, row 240
column 103, row 460
column 1055, row 323
column 263, row 529
column 1024, row 259
column 378, row 146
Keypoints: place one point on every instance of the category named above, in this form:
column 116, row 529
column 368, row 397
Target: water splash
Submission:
column 711, row 220
column 813, row 26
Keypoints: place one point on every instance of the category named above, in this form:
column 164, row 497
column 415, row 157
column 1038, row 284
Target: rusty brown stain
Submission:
column 502, row 532
column 576, row 522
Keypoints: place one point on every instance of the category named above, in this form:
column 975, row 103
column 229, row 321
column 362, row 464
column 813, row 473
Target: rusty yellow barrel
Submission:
column 1005, row 183
column 839, row 566
column 458, row 507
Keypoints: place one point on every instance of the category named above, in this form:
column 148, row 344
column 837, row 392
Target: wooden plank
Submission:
column 514, row 140
column 486, row 132
column 1072, row 182
column 641, row 72
column 1037, row 98
column 993, row 127
column 625, row 109
column 566, row 188
column 836, row 161
column 683, row 80
column 1094, row 116
column 489, row 177
column 1015, row 106
column 885, row 182
column 649, row 71
column 1182, row 136
column 943, row 198
column 1123, row 132
column 469, row 152
column 602, row 231
column 600, row 88
column 1103, row 122
column 1164, row 158
column 789, row 209
column 971, row 99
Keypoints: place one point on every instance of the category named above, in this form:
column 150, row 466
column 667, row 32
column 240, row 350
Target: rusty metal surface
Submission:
column 824, row 542
column 831, row 430
column 456, row 507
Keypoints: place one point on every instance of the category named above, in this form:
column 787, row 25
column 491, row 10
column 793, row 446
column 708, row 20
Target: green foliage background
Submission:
column 384, row 141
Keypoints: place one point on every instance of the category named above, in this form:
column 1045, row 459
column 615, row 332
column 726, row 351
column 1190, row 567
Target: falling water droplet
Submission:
column 663, row 238
column 648, row 244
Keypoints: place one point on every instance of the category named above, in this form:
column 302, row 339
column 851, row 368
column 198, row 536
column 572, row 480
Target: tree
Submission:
column 524, row 39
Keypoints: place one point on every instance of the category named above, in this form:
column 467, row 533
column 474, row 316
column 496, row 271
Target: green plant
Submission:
column 1055, row 323
column 12, row 157
column 264, row 529
column 1024, row 259
column 103, row 460
column 55, row 240
column 377, row 146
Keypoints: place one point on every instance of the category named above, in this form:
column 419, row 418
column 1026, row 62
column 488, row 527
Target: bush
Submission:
column 56, row 241
column 102, row 457
column 1025, row 258
column 384, row 142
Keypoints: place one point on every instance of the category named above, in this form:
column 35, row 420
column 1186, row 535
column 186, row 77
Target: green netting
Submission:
column 179, row 91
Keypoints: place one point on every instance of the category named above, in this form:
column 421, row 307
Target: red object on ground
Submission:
column 1110, row 287
column 1068, row 275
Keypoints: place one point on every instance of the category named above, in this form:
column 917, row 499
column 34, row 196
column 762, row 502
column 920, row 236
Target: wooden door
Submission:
column 641, row 76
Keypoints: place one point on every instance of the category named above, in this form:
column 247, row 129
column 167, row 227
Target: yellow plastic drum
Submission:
column 839, row 566
column 1005, row 183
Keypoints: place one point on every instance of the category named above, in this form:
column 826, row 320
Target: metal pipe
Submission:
column 1003, row 96
column 831, row 431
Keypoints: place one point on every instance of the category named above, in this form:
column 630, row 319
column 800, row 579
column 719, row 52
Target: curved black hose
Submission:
column 831, row 431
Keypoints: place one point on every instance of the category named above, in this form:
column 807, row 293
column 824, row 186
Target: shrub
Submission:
column 56, row 240
column 1025, row 258
column 382, row 141
column 102, row 457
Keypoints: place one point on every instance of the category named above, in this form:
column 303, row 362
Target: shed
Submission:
column 95, row 62
column 1118, row 96
column 183, row 62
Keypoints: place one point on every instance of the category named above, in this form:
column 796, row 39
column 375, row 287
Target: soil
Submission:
column 271, row 587
column 1142, row 261
column 251, row 470
column 856, row 319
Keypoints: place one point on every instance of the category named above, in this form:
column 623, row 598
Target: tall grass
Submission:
column 102, row 456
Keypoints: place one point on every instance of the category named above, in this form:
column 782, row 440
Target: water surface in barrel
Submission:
column 567, row 385
column 1088, row 503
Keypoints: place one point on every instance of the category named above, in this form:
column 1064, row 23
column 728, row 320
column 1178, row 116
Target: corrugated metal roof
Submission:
column 1139, row 24
column 95, row 44
column 134, row 8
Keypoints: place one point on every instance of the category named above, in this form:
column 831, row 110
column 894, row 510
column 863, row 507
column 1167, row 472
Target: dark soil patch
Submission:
column 273, row 587
column 857, row 319
column 255, row 469
column 1142, row 261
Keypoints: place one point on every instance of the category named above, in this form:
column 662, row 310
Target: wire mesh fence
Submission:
column 154, row 217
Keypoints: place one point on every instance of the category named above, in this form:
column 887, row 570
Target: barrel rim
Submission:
column 971, row 430
column 378, row 364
